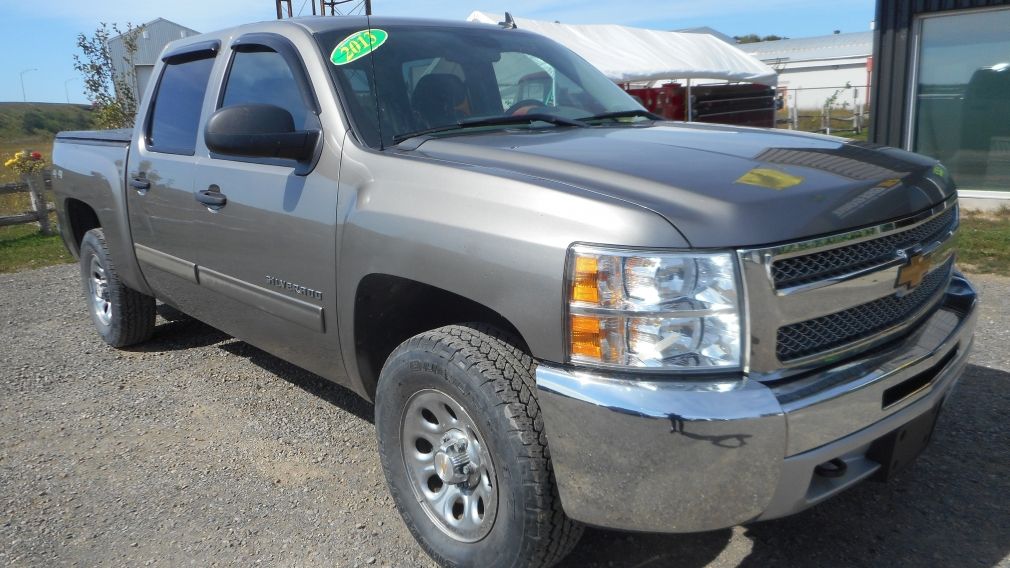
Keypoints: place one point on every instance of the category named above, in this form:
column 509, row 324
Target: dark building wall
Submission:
column 893, row 57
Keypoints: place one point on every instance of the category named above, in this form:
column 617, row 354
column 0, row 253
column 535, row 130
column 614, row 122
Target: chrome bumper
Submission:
column 668, row 455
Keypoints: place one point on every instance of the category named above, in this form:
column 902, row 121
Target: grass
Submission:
column 23, row 247
column 985, row 242
column 20, row 120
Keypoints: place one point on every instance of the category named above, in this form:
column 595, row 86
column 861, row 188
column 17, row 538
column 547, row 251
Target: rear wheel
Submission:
column 121, row 315
column 464, row 452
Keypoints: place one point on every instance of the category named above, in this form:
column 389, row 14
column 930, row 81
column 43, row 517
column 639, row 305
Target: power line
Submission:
column 357, row 7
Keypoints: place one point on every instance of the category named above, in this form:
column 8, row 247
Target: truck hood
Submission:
column 719, row 186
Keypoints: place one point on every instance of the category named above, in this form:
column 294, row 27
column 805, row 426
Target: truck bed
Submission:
column 89, row 173
column 116, row 136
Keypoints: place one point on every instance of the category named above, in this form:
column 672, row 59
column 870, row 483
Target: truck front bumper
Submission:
column 671, row 455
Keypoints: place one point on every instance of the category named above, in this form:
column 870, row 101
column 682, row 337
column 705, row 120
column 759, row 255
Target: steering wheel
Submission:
column 525, row 106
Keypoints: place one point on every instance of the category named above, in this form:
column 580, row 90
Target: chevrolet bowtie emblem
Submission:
column 910, row 275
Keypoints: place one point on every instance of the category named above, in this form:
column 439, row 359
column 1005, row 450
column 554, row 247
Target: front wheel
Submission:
column 463, row 449
column 121, row 315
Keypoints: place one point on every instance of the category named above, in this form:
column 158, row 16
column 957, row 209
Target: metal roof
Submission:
column 835, row 46
column 159, row 32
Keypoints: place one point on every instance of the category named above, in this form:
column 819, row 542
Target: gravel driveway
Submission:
column 198, row 449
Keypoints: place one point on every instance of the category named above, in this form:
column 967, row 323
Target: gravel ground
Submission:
column 198, row 449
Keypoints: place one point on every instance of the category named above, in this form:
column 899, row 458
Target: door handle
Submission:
column 140, row 184
column 211, row 197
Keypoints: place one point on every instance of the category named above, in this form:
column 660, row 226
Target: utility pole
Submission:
column 368, row 7
column 24, row 97
column 280, row 11
column 67, row 91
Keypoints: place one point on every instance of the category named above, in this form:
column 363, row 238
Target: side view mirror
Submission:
column 258, row 131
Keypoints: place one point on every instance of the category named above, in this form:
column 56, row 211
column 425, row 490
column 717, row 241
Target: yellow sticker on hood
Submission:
column 772, row 179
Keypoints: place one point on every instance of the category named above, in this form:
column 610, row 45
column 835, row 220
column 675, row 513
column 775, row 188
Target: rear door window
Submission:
column 175, row 116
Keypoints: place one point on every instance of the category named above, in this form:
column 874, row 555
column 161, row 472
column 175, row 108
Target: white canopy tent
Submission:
column 627, row 55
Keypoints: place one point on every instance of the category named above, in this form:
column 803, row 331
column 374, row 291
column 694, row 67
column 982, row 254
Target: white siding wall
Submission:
column 144, row 73
column 811, row 84
column 157, row 34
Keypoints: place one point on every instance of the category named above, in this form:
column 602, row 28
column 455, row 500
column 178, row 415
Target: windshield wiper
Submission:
column 623, row 114
column 493, row 121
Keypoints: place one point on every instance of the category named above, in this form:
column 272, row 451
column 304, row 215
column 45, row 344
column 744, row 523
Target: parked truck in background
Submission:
column 565, row 314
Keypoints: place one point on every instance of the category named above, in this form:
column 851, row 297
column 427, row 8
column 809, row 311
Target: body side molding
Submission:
column 167, row 263
column 294, row 310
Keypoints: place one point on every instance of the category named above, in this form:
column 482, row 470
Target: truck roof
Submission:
column 317, row 24
column 323, row 24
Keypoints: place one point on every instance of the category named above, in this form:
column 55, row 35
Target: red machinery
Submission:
column 741, row 104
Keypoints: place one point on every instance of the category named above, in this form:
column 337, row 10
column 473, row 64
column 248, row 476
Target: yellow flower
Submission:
column 10, row 163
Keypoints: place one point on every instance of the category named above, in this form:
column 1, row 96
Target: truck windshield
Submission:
column 431, row 79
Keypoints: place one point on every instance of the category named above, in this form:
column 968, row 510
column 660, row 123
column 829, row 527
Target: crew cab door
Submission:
column 160, row 176
column 267, row 255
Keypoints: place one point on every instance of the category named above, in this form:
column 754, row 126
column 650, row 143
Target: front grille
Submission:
column 835, row 330
column 844, row 260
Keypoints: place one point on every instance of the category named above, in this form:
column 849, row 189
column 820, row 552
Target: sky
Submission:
column 42, row 35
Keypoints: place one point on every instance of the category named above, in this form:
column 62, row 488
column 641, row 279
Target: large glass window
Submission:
column 428, row 77
column 177, row 104
column 963, row 97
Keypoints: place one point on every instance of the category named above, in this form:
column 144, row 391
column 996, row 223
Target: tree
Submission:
column 113, row 94
column 754, row 38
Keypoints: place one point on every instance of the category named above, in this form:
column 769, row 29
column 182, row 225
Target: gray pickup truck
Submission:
column 566, row 310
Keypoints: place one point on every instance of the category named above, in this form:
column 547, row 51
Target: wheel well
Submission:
column 82, row 218
column 388, row 310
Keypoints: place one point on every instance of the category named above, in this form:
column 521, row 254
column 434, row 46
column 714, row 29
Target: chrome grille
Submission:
column 835, row 330
column 809, row 268
column 847, row 302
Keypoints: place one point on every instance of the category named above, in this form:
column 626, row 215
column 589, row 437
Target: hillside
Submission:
column 40, row 121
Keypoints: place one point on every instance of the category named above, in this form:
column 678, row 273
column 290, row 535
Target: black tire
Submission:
column 130, row 315
column 493, row 380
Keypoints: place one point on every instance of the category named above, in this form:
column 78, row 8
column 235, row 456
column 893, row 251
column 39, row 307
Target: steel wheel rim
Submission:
column 98, row 285
column 465, row 511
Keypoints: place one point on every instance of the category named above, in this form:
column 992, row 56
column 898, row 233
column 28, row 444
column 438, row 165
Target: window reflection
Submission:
column 963, row 97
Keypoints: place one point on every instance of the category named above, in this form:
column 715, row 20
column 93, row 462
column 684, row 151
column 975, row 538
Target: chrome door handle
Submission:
column 211, row 198
column 140, row 184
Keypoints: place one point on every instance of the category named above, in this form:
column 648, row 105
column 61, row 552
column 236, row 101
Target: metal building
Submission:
column 942, row 87
column 813, row 69
column 153, row 37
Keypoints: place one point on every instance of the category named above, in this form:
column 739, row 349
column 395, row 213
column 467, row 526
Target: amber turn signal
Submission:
column 587, row 336
column 585, row 281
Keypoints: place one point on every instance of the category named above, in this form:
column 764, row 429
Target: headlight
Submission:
column 653, row 309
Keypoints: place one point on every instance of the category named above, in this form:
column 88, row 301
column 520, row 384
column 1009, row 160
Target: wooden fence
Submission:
column 40, row 207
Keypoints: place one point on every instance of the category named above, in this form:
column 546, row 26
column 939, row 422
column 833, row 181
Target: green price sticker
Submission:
column 357, row 45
